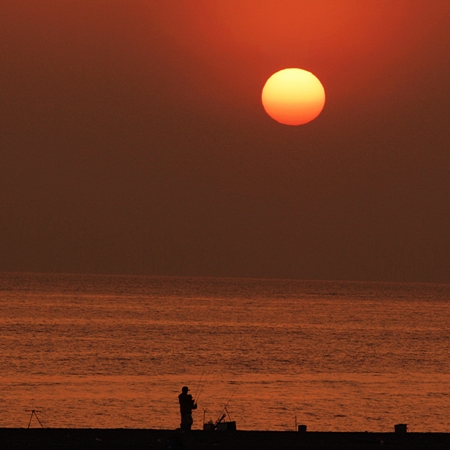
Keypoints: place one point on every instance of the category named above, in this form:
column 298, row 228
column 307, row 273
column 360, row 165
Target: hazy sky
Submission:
column 133, row 139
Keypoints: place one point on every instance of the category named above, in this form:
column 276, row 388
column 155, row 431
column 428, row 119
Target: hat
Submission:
column 185, row 389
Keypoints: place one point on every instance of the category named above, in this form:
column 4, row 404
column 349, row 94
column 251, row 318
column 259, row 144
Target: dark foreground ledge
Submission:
column 90, row 438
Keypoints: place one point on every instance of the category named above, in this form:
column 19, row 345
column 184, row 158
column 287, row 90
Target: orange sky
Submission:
column 133, row 139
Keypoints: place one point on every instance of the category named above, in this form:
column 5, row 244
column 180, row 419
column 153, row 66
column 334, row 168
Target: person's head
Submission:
column 185, row 389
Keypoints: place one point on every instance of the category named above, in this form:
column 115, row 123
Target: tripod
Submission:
column 33, row 413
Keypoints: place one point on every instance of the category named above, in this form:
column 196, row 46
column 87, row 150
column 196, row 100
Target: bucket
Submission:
column 226, row 426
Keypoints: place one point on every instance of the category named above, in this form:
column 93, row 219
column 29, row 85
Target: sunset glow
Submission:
column 246, row 198
column 293, row 96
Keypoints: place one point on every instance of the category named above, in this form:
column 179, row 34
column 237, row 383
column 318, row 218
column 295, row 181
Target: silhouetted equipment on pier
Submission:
column 34, row 413
column 221, row 424
column 226, row 426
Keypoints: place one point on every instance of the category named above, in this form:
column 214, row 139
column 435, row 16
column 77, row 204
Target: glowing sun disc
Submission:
column 293, row 96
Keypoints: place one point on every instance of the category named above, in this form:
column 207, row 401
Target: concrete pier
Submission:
column 90, row 438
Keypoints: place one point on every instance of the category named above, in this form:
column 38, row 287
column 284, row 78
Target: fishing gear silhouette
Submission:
column 34, row 413
column 220, row 423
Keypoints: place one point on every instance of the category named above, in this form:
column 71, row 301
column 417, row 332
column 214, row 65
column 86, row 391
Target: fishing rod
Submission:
column 224, row 414
column 232, row 395
column 201, row 385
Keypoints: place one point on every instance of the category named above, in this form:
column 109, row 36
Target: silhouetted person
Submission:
column 187, row 404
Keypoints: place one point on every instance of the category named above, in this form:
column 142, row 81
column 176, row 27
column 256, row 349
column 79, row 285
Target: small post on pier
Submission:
column 401, row 428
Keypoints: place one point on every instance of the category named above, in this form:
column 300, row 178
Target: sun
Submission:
column 293, row 96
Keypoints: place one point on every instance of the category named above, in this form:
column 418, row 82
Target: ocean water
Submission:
column 114, row 351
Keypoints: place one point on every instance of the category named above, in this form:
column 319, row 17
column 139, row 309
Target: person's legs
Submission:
column 186, row 422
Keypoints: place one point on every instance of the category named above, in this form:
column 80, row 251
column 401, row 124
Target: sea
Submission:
column 100, row 351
